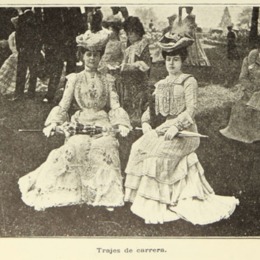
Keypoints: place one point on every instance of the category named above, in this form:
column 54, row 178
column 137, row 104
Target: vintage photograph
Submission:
column 138, row 121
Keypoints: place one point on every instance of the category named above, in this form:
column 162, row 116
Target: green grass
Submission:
column 230, row 167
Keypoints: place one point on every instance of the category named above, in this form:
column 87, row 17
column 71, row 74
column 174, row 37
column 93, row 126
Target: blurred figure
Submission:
column 54, row 46
column 5, row 52
column 196, row 54
column 114, row 53
column 232, row 53
column 135, row 68
column 5, row 19
column 244, row 122
column 73, row 26
column 120, row 9
column 28, row 43
column 9, row 69
column 171, row 20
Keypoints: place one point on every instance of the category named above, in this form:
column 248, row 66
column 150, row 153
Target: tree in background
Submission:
column 226, row 19
column 244, row 18
column 254, row 28
column 146, row 14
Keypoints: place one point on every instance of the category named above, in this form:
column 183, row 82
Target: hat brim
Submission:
column 169, row 44
column 93, row 41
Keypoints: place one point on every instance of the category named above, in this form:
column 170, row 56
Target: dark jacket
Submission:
column 73, row 24
column 53, row 26
column 28, row 33
column 6, row 26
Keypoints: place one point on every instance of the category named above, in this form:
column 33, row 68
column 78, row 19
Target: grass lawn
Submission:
column 232, row 168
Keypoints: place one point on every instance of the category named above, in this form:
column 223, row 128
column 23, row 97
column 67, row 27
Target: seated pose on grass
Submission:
column 86, row 169
column 165, row 180
column 244, row 122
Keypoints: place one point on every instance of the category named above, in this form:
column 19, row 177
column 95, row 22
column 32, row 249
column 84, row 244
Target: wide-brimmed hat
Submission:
column 113, row 21
column 172, row 42
column 93, row 41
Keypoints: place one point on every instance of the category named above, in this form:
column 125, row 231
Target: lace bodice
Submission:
column 93, row 95
column 175, row 99
column 90, row 93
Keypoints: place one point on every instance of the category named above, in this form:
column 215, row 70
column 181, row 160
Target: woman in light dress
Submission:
column 244, row 122
column 196, row 53
column 86, row 169
column 165, row 180
column 9, row 68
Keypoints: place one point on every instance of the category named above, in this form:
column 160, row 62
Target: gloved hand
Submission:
column 146, row 128
column 50, row 130
column 171, row 133
column 123, row 130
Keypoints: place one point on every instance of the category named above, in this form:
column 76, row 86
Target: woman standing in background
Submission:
column 135, row 68
column 196, row 54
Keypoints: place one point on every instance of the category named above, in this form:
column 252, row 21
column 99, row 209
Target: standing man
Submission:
column 28, row 44
column 73, row 26
column 54, row 46
column 232, row 53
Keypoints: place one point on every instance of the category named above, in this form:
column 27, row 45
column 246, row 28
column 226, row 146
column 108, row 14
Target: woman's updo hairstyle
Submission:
column 183, row 52
column 133, row 24
column 113, row 22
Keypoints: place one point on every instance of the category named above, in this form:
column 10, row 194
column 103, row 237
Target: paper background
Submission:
column 63, row 248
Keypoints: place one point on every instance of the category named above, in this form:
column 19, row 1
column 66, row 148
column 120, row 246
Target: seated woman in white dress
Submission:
column 165, row 180
column 86, row 169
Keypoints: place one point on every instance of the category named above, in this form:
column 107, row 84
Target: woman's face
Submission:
column 133, row 37
column 173, row 64
column 91, row 59
column 113, row 33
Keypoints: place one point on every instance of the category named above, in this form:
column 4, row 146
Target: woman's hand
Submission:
column 129, row 67
column 123, row 130
column 171, row 133
column 146, row 128
column 50, row 130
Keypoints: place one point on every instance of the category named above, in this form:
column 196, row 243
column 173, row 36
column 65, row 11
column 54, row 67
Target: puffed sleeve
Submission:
column 146, row 116
column 244, row 73
column 137, row 58
column 146, row 57
column 11, row 42
column 185, row 119
column 117, row 114
column 245, row 77
column 59, row 114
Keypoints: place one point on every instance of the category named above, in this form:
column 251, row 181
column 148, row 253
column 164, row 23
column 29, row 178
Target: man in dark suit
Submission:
column 54, row 46
column 6, row 27
column 74, row 26
column 28, row 43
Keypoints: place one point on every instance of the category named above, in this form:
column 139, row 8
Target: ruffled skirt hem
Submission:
column 190, row 197
column 59, row 197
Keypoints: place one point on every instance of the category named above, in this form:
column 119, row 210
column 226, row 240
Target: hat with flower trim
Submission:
column 93, row 41
column 172, row 41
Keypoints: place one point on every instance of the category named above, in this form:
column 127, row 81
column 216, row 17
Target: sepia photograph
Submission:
column 130, row 121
